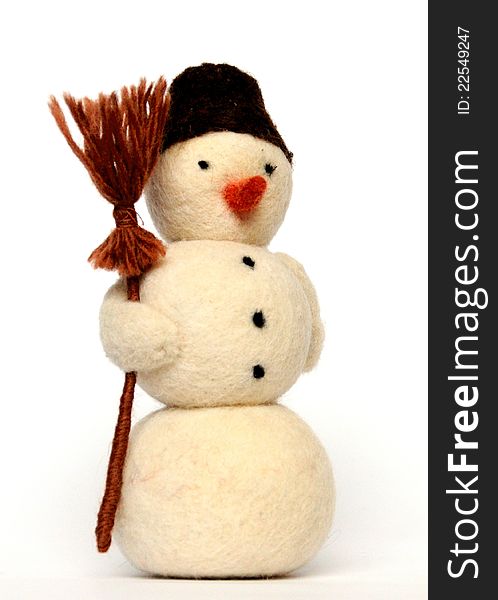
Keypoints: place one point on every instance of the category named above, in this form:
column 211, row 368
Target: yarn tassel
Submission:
column 122, row 138
column 129, row 249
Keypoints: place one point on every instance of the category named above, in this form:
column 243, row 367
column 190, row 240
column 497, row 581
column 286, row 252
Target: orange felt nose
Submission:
column 244, row 195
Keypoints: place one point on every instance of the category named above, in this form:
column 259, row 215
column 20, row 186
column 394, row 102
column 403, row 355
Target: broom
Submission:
column 122, row 135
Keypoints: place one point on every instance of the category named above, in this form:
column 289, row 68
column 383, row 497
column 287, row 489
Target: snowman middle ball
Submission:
column 244, row 325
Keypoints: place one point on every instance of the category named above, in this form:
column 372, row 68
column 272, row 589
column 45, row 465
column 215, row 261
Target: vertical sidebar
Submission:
column 463, row 272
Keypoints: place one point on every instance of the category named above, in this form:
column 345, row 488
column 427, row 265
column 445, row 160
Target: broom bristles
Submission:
column 122, row 136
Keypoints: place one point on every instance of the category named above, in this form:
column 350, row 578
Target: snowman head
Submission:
column 225, row 173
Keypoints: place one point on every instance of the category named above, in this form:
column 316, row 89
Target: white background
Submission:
column 346, row 84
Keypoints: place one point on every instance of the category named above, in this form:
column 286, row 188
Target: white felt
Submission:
column 317, row 329
column 186, row 202
column 224, row 492
column 135, row 336
column 196, row 315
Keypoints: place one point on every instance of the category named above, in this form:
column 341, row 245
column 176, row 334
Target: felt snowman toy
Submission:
column 223, row 481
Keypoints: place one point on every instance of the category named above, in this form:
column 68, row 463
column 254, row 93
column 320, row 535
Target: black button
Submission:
column 258, row 319
column 247, row 260
column 258, row 372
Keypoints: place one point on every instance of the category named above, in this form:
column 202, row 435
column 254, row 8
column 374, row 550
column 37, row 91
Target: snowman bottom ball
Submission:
column 241, row 491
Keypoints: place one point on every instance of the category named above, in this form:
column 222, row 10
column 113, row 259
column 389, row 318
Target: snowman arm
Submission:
column 135, row 336
column 317, row 331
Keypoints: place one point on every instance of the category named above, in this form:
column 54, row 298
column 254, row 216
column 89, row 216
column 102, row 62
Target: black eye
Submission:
column 203, row 164
column 258, row 372
column 258, row 319
column 247, row 260
column 269, row 168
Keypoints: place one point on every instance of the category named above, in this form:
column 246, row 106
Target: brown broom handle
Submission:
column 114, row 479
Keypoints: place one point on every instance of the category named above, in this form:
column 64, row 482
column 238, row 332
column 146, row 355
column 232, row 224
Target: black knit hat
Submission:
column 218, row 98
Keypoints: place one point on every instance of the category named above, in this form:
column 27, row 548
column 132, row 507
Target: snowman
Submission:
column 223, row 481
